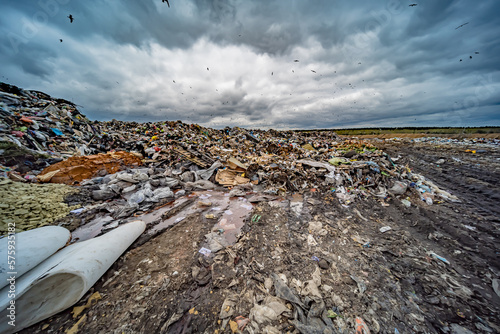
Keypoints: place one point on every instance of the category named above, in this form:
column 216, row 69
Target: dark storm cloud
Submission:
column 375, row 63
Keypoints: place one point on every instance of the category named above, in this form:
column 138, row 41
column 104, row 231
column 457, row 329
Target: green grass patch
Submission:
column 415, row 130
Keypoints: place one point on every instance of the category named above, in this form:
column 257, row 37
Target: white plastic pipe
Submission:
column 28, row 249
column 62, row 279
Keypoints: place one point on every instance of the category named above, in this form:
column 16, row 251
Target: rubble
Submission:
column 257, row 231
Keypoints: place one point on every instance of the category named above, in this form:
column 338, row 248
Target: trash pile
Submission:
column 272, row 162
column 44, row 125
column 57, row 139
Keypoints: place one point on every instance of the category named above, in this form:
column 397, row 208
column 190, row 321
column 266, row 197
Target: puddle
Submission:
column 90, row 229
column 233, row 219
column 175, row 218
column 279, row 203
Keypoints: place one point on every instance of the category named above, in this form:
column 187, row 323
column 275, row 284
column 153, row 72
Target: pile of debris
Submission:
column 273, row 162
column 43, row 124
column 48, row 140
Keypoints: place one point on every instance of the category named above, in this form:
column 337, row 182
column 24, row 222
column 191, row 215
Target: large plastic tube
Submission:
column 62, row 279
column 29, row 249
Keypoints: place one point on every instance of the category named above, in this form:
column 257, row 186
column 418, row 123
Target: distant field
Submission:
column 424, row 131
column 477, row 132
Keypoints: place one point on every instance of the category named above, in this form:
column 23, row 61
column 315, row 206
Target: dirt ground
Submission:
column 432, row 272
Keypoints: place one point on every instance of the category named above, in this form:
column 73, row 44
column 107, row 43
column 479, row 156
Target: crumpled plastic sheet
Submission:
column 308, row 320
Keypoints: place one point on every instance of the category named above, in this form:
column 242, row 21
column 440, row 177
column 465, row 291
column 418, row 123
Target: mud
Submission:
column 432, row 272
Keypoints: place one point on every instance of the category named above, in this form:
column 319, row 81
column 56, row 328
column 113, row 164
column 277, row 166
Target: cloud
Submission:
column 374, row 63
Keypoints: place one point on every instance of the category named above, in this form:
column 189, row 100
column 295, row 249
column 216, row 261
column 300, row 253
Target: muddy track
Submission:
column 475, row 178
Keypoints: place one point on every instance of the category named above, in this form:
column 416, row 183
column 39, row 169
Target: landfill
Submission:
column 259, row 231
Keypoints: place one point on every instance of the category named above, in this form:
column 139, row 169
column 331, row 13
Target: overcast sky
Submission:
column 280, row 64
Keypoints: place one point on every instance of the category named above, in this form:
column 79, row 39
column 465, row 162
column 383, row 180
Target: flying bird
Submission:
column 173, row 81
column 460, row 59
column 460, row 26
column 208, row 69
column 313, row 71
column 272, row 73
column 296, row 60
column 166, row 2
column 413, row 5
column 470, row 57
column 70, row 17
column 476, row 52
column 60, row 40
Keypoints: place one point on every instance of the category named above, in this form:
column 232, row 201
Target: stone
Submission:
column 101, row 195
column 19, row 212
column 323, row 264
column 350, row 154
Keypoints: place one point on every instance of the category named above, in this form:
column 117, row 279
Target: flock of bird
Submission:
column 71, row 19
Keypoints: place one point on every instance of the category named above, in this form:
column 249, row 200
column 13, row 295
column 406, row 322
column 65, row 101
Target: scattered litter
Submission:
column 385, row 229
column 205, row 251
column 406, row 203
column 361, row 327
column 495, row 283
column 434, row 255
column 247, row 206
column 360, row 283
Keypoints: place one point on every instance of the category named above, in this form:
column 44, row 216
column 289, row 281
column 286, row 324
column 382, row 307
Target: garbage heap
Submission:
column 44, row 139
